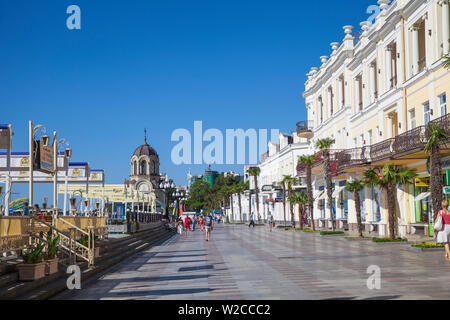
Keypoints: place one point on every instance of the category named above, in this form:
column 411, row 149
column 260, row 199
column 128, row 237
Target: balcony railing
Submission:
column 409, row 141
column 353, row 157
column 444, row 122
column 305, row 128
column 382, row 150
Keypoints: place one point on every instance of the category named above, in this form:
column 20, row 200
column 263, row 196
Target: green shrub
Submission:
column 33, row 255
column 326, row 233
column 389, row 240
column 357, row 237
column 428, row 245
column 309, row 230
column 137, row 225
column 52, row 247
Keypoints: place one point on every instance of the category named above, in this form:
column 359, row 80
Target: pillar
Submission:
column 372, row 82
column 357, row 95
column 388, row 53
column 445, row 27
column 415, row 49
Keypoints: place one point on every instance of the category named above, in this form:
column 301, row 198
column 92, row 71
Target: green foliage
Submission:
column 447, row 62
column 52, row 247
column 327, row 233
column 355, row 185
column 198, row 195
column 324, row 144
column 254, row 171
column 307, row 160
column 390, row 174
column 428, row 245
column 288, row 181
column 379, row 240
column 137, row 225
column 84, row 240
column 436, row 136
column 299, row 198
column 33, row 255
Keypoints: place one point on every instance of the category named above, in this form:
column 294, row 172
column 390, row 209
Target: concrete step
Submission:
column 12, row 289
column 60, row 286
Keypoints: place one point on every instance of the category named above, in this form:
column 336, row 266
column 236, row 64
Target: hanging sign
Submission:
column 422, row 182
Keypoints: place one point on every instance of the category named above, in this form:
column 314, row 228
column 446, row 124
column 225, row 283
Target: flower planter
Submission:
column 51, row 266
column 31, row 272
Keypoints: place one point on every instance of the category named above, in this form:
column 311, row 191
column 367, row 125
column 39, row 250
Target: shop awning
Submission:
column 423, row 196
column 337, row 190
column 321, row 195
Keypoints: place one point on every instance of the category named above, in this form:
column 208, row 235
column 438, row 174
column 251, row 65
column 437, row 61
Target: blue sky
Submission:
column 159, row 65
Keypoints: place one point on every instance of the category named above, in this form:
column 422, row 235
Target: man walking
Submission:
column 209, row 223
column 252, row 220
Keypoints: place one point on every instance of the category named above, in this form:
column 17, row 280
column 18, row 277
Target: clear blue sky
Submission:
column 159, row 65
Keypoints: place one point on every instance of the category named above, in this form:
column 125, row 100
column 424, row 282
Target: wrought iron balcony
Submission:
column 305, row 129
column 409, row 142
column 382, row 150
column 353, row 157
column 444, row 122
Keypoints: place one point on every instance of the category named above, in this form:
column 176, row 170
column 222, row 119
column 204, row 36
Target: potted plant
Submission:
column 32, row 267
column 51, row 258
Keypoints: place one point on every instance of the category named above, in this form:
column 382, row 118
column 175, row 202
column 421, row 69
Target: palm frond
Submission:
column 436, row 135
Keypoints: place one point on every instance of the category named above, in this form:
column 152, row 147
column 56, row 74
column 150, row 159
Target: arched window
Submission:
column 135, row 172
column 143, row 167
column 153, row 167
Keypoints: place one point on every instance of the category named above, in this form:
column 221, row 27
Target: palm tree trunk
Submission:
column 231, row 205
column 300, row 215
column 249, row 203
column 358, row 212
column 391, row 209
column 256, row 196
column 284, row 204
column 436, row 179
column 329, row 186
column 240, row 207
column 310, row 195
column 291, row 208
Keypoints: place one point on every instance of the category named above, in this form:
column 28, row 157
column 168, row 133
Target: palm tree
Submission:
column 309, row 161
column 325, row 145
column 300, row 199
column 355, row 187
column 447, row 61
column 254, row 172
column 436, row 135
column 391, row 176
column 247, row 187
column 288, row 181
column 240, row 188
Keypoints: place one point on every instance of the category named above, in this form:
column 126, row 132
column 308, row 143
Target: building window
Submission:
column 361, row 140
column 443, row 104
column 135, row 171
column 412, row 118
column 143, row 167
column 426, row 113
column 369, row 134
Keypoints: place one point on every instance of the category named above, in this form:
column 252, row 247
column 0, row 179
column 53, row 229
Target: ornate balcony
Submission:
column 409, row 142
column 444, row 122
column 305, row 129
column 382, row 150
column 353, row 157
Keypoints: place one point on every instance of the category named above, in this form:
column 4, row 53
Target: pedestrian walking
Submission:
column 193, row 223
column 209, row 224
column 180, row 225
column 270, row 218
column 259, row 219
column 201, row 223
column 187, row 224
column 252, row 220
column 443, row 235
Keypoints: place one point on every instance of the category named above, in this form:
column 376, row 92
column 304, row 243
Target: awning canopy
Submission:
column 423, row 196
column 321, row 195
column 337, row 190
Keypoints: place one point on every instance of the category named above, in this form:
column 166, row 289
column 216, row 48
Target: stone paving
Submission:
column 242, row 263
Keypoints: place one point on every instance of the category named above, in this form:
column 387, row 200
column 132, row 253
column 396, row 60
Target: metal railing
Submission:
column 409, row 141
column 381, row 150
column 307, row 125
column 353, row 157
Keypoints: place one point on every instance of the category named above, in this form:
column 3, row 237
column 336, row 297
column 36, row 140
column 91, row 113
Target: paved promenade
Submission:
column 243, row 263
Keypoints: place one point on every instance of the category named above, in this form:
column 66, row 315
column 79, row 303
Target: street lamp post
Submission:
column 164, row 186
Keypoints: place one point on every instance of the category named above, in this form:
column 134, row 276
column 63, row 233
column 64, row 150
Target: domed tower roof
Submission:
column 145, row 149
